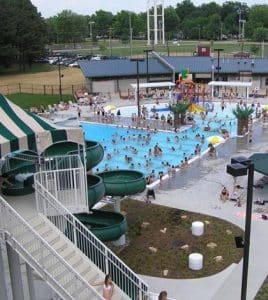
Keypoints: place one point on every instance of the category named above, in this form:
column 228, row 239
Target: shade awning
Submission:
column 153, row 85
column 230, row 83
column 260, row 161
column 22, row 130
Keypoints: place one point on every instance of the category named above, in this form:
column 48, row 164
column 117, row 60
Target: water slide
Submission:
column 18, row 173
column 196, row 108
column 105, row 225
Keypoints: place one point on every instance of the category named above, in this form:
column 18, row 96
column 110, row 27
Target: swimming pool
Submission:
column 120, row 143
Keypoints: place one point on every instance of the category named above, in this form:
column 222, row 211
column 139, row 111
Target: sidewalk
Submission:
column 201, row 194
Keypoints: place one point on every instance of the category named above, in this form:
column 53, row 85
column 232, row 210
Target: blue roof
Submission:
column 126, row 67
column 120, row 67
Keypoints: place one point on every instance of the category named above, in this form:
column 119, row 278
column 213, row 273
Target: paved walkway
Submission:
column 199, row 192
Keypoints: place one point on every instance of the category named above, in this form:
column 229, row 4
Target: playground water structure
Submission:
column 120, row 142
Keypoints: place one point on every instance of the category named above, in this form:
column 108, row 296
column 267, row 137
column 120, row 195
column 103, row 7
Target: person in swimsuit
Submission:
column 108, row 287
column 162, row 295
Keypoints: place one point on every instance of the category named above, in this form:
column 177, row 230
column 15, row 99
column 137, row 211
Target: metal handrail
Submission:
column 89, row 244
column 12, row 223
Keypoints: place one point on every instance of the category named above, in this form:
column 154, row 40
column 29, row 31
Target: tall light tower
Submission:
column 155, row 12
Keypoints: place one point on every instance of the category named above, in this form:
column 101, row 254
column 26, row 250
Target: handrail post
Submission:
column 106, row 261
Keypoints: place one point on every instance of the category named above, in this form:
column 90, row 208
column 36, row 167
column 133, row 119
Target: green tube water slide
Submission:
column 109, row 226
column 94, row 151
column 19, row 174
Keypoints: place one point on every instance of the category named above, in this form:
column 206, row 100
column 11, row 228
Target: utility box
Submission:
column 203, row 50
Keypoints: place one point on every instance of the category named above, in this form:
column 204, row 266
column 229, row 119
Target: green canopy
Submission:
column 22, row 130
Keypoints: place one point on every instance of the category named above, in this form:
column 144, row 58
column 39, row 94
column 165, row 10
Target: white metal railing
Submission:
column 64, row 177
column 18, row 157
column 42, row 257
column 91, row 246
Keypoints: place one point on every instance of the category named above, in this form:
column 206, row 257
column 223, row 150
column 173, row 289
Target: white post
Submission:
column 212, row 92
column 163, row 23
column 30, row 281
column 155, row 23
column 148, row 23
column 15, row 273
column 3, row 287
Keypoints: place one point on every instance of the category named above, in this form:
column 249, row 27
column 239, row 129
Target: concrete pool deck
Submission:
column 199, row 192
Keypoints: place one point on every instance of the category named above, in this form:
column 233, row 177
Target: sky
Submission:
column 50, row 8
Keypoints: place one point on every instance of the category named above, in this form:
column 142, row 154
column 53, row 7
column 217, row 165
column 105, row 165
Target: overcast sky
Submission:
column 87, row 7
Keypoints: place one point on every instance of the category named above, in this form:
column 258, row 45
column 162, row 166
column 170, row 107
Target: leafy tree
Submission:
column 30, row 31
column 258, row 17
column 121, row 23
column 7, row 33
column 103, row 20
column 260, row 34
column 71, row 27
column 185, row 10
column 172, row 21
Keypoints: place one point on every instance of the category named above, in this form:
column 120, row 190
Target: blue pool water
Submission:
column 125, row 140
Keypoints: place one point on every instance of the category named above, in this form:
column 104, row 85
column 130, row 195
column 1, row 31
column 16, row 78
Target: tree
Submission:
column 260, row 34
column 212, row 29
column 103, row 20
column 121, row 23
column 30, row 31
column 179, row 112
column 258, row 17
column 242, row 114
column 7, row 33
column 71, row 27
column 172, row 21
column 185, row 10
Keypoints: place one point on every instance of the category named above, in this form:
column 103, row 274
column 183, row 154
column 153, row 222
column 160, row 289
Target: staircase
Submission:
column 71, row 254
column 59, row 225
column 65, row 271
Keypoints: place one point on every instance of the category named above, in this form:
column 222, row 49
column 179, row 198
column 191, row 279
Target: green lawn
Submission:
column 119, row 49
column 170, row 256
column 35, row 68
column 32, row 100
column 263, row 292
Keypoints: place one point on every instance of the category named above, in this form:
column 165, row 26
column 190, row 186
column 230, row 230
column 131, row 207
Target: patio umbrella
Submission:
column 109, row 107
column 215, row 139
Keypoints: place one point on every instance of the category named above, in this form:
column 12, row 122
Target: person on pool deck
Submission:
column 224, row 196
column 108, row 287
column 163, row 295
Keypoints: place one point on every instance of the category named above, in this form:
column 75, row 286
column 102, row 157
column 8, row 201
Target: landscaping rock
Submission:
column 153, row 249
column 145, row 224
column 163, row 230
column 228, row 231
column 212, row 245
column 165, row 272
column 207, row 222
column 183, row 217
column 185, row 247
column 218, row 258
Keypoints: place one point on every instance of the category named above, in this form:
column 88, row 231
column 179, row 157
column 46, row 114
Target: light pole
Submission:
column 241, row 166
column 110, row 42
column 147, row 65
column 60, row 76
column 219, row 50
column 137, row 60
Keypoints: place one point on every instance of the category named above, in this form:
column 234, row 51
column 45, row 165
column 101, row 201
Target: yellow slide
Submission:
column 196, row 108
